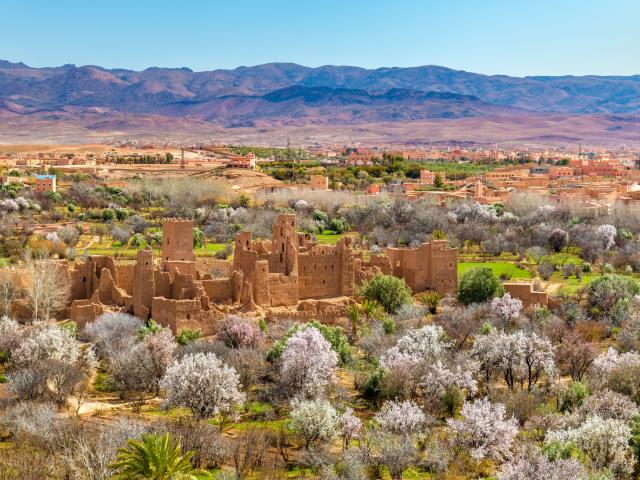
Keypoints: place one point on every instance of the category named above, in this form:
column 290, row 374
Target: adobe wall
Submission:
column 219, row 290
column 177, row 240
column 168, row 312
column 126, row 275
column 319, row 272
column 84, row 311
column 178, row 266
column 283, row 290
column 525, row 293
column 178, row 315
column 430, row 266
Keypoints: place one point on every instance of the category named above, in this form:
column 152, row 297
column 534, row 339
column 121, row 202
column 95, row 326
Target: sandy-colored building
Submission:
column 318, row 182
column 45, row 183
column 290, row 270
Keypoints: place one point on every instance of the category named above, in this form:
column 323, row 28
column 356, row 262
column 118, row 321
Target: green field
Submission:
column 498, row 269
column 329, row 238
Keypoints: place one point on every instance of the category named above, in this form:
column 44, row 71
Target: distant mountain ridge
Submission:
column 148, row 90
column 79, row 102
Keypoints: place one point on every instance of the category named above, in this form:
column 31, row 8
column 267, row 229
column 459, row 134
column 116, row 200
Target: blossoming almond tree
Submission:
column 203, row 384
column 308, row 364
column 485, row 430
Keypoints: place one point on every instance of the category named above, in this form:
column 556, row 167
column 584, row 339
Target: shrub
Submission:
column 546, row 269
column 478, row 285
column 338, row 225
column 605, row 292
column 187, row 336
column 238, row 333
column 573, row 396
column 108, row 214
column 389, row 291
column 431, row 300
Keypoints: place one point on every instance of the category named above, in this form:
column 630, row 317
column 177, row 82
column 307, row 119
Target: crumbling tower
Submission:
column 284, row 246
column 177, row 240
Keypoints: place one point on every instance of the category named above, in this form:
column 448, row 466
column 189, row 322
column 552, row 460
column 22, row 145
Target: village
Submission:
column 281, row 311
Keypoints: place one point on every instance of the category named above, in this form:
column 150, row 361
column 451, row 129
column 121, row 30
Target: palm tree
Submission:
column 153, row 457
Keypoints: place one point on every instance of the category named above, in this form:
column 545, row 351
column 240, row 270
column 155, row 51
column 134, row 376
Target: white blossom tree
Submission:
column 506, row 307
column 350, row 427
column 113, row 333
column 520, row 357
column 485, row 430
column 607, row 235
column 315, row 420
column 48, row 343
column 308, row 364
column 605, row 441
column 48, row 363
column 439, row 378
column 203, row 384
column 417, row 347
column 10, row 335
column 8, row 291
column 607, row 404
column 539, row 467
column 401, row 418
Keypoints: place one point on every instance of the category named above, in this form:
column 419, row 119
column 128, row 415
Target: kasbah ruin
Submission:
column 287, row 277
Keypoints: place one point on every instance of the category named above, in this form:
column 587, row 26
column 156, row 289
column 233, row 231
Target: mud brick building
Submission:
column 290, row 270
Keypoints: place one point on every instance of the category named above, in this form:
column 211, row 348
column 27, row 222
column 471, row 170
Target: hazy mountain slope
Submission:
column 149, row 89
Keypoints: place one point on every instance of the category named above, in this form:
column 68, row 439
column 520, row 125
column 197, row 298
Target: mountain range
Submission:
column 289, row 95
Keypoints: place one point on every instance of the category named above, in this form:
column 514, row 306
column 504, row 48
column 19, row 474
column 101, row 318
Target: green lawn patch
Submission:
column 212, row 247
column 258, row 408
column 3, row 378
column 328, row 238
column 498, row 268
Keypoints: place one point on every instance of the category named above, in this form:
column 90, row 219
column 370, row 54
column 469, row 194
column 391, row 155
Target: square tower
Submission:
column 177, row 240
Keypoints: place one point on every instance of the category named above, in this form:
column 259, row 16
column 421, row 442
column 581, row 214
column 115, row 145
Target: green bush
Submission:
column 389, row 326
column 262, row 325
column 138, row 241
column 389, row 291
column 478, row 285
column 452, row 400
column 187, row 336
column 151, row 327
column 608, row 290
column 339, row 225
column 108, row 214
column 573, row 396
column 198, row 237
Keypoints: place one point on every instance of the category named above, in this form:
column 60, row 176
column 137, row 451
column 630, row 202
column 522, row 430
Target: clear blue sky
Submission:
column 515, row 37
